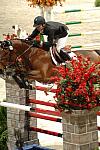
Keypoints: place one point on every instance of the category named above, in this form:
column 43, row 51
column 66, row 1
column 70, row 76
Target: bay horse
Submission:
column 27, row 63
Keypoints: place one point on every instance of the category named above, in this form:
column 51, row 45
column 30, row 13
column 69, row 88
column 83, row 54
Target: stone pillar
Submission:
column 18, row 120
column 80, row 130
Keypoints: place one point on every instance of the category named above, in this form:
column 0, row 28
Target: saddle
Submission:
column 61, row 57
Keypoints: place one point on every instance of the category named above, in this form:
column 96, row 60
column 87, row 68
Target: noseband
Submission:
column 6, row 45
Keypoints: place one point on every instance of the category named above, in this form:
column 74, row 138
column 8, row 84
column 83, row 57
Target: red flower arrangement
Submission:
column 78, row 84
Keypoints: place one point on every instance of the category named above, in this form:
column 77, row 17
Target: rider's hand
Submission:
column 36, row 43
column 46, row 46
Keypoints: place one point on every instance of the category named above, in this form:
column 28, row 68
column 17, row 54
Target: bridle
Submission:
column 7, row 48
column 7, row 60
column 24, row 52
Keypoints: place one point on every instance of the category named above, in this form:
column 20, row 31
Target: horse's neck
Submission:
column 19, row 45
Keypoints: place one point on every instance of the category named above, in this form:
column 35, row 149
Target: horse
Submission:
column 24, row 62
column 35, row 64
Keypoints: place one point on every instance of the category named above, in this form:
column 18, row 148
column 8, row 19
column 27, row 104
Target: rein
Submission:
column 26, row 61
column 18, row 57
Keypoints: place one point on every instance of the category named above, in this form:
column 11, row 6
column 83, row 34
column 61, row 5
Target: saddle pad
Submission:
column 53, row 58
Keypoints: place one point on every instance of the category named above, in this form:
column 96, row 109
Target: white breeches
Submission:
column 61, row 43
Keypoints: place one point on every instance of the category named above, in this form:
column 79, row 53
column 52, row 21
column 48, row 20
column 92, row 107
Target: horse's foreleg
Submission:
column 22, row 83
column 18, row 80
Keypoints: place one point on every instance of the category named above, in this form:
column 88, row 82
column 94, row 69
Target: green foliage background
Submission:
column 3, row 128
column 97, row 3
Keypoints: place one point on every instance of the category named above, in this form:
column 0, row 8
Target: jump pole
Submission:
column 15, row 106
column 84, row 33
column 77, row 10
column 41, row 102
column 85, row 45
column 46, row 131
column 83, row 21
column 31, row 114
column 30, row 109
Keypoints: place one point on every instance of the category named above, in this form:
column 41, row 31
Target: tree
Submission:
column 3, row 128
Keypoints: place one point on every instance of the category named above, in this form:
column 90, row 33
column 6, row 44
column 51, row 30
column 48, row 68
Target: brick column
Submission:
column 80, row 130
column 17, row 120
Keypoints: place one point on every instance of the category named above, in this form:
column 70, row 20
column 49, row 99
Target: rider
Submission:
column 56, row 34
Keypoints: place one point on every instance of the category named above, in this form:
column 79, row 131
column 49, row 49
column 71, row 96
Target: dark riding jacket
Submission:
column 53, row 30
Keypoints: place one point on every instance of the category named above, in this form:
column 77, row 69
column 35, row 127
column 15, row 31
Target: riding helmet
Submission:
column 38, row 21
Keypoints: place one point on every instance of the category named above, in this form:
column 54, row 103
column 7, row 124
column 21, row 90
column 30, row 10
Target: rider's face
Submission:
column 40, row 28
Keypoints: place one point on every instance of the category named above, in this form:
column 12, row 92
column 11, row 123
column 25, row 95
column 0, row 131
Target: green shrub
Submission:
column 3, row 128
column 97, row 3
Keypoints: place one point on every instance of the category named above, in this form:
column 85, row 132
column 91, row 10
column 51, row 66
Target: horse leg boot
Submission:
column 25, row 82
column 22, row 83
column 18, row 80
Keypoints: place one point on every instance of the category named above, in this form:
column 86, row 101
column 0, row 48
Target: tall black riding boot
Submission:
column 64, row 55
